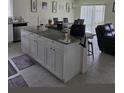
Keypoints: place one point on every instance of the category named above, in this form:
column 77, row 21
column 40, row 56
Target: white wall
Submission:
column 10, row 8
column 109, row 15
column 22, row 8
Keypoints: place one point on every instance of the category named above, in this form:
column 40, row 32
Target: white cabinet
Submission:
column 10, row 32
column 29, row 43
column 33, row 46
column 50, row 58
column 54, row 59
column 59, row 61
column 25, row 42
column 41, row 51
column 64, row 61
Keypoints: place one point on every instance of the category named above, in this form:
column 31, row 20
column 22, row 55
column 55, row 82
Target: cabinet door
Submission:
column 55, row 59
column 50, row 58
column 10, row 33
column 33, row 46
column 25, row 44
column 41, row 51
column 59, row 58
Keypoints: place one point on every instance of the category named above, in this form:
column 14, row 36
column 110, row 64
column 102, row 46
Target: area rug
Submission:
column 23, row 61
column 17, row 82
column 11, row 69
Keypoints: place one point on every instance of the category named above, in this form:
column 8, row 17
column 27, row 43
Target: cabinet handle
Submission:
column 53, row 49
column 35, row 40
column 52, row 41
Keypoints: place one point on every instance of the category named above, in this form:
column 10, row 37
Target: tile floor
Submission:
column 101, row 71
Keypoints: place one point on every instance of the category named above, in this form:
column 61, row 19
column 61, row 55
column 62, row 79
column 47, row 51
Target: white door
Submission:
column 41, row 51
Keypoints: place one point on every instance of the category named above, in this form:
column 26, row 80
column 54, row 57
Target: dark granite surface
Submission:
column 50, row 33
column 17, row 22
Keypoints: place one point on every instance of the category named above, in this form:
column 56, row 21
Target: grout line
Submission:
column 13, row 76
column 13, row 64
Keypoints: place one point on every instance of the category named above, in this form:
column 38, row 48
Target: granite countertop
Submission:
column 17, row 22
column 51, row 34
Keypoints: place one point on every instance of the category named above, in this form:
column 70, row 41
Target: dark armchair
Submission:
column 106, row 38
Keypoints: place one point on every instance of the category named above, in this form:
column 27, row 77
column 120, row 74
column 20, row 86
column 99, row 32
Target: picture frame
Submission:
column 67, row 7
column 33, row 5
column 44, row 5
column 54, row 6
column 113, row 8
column 73, row 5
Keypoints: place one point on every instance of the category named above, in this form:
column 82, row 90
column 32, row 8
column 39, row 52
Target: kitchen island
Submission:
column 64, row 60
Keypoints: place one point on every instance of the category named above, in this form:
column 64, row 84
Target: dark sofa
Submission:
column 106, row 38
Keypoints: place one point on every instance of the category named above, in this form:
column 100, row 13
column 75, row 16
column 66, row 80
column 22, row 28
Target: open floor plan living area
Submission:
column 61, row 43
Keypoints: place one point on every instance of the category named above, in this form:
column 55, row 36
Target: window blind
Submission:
column 93, row 16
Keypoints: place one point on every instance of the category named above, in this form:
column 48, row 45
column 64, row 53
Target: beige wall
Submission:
column 10, row 8
column 109, row 15
column 22, row 8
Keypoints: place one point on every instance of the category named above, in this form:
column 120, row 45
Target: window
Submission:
column 10, row 8
column 93, row 16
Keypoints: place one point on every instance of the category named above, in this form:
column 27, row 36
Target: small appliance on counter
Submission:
column 60, row 25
